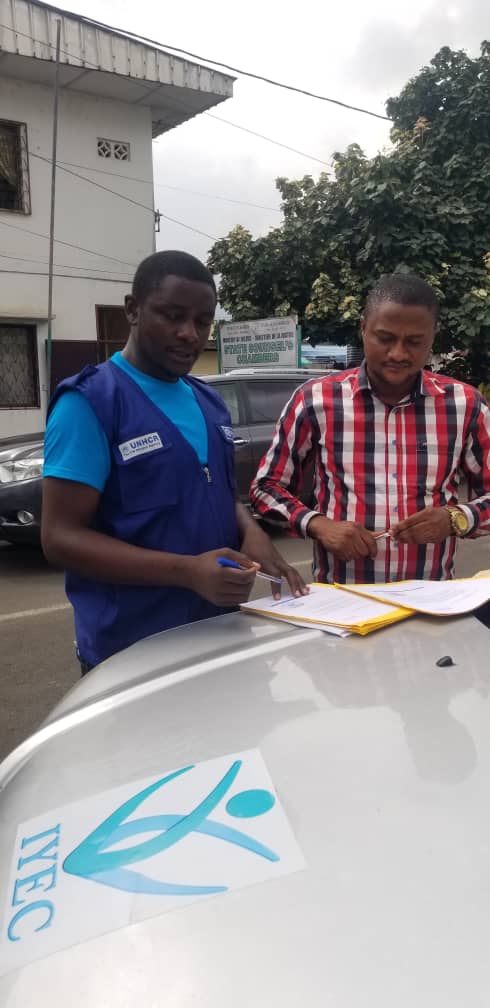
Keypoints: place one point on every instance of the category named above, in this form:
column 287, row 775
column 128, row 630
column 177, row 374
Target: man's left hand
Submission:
column 431, row 525
column 259, row 548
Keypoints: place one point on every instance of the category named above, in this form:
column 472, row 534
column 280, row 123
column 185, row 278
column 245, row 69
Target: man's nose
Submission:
column 397, row 352
column 187, row 331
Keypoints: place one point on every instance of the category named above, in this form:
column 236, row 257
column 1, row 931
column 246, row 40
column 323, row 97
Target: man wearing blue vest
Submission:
column 139, row 498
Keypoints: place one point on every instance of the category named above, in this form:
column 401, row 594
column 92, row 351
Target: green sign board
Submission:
column 261, row 343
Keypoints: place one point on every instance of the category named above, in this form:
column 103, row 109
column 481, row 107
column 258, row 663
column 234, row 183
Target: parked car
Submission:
column 254, row 398
column 244, row 813
column 21, row 466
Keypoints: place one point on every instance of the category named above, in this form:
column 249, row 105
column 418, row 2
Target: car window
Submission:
column 268, row 398
column 229, row 392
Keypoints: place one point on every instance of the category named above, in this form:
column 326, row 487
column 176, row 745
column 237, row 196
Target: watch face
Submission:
column 460, row 521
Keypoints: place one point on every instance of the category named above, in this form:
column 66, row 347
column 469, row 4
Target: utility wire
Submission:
column 66, row 276
column 262, row 136
column 175, row 105
column 164, row 185
column 43, row 262
column 79, row 248
column 98, row 185
column 134, row 80
column 128, row 199
column 175, row 49
column 242, row 73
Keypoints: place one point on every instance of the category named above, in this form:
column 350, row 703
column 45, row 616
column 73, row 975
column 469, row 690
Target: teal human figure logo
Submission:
column 94, row 860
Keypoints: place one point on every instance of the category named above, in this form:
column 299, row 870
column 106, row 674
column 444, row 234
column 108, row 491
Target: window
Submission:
column 14, row 168
column 118, row 149
column 19, row 384
column 229, row 393
column 68, row 357
column 112, row 330
column 267, row 399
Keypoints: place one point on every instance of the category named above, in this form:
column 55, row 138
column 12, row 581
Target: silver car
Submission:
column 243, row 813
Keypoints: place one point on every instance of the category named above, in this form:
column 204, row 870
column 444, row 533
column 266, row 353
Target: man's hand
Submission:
column 345, row 539
column 431, row 525
column 258, row 547
column 223, row 586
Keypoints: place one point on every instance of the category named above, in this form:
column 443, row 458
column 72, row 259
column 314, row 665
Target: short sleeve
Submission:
column 75, row 444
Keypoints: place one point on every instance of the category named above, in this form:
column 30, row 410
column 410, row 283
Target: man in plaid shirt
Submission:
column 389, row 443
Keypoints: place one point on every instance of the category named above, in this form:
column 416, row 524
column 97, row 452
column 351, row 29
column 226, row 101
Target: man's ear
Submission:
column 363, row 328
column 131, row 309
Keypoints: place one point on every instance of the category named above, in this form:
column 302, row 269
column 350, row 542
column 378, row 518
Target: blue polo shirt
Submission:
column 76, row 447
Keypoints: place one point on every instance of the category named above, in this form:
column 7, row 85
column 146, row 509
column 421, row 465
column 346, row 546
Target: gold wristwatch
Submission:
column 459, row 521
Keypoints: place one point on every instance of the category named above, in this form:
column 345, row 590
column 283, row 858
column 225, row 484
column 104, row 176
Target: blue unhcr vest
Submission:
column 158, row 496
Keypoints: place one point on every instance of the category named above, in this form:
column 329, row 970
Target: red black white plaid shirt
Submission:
column 378, row 464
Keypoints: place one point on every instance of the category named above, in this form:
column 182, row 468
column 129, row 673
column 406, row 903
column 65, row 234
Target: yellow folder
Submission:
column 329, row 606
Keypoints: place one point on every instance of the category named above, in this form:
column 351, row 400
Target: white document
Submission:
column 435, row 598
column 324, row 606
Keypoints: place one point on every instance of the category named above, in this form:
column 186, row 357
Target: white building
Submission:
column 116, row 94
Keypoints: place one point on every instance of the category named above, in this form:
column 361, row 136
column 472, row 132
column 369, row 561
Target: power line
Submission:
column 262, row 136
column 128, row 199
column 204, row 59
column 222, row 199
column 179, row 107
column 242, row 73
column 164, row 185
column 66, row 276
column 98, row 185
column 79, row 248
column 43, row 262
column 311, row 157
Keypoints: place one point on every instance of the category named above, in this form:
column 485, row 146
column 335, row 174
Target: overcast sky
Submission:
column 356, row 51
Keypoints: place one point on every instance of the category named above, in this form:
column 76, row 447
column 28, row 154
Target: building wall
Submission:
column 85, row 216
column 206, row 364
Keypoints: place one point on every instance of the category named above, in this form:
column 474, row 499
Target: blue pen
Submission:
column 224, row 562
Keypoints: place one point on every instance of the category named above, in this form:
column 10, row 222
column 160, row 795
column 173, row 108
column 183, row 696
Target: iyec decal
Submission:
column 143, row 849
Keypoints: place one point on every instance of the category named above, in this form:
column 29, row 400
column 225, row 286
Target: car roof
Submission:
column 296, row 374
column 21, row 439
column 379, row 760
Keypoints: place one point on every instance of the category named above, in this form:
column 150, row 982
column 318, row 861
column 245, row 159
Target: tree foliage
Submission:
column 421, row 206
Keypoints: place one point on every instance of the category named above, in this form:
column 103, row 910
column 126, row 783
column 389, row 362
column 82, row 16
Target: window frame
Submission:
column 241, row 402
column 34, row 352
column 23, row 169
column 264, row 382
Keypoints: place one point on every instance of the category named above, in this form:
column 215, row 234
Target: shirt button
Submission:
column 395, row 509
column 394, row 476
column 394, row 444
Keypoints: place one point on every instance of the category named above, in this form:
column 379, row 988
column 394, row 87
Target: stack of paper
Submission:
column 435, row 598
column 329, row 609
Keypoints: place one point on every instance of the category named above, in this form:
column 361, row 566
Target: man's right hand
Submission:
column 223, row 586
column 345, row 539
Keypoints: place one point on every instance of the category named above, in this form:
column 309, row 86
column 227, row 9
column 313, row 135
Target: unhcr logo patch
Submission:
column 140, row 446
column 228, row 432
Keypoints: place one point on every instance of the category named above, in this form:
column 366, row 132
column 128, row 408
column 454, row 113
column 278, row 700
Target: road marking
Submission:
column 34, row 612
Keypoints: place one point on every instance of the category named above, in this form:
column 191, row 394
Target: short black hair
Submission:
column 156, row 267
column 405, row 289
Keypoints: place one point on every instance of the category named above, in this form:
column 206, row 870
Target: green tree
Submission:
column 423, row 206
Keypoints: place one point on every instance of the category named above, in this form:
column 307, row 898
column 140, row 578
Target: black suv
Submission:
column 255, row 399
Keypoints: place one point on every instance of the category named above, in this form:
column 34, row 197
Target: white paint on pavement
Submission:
column 34, row 612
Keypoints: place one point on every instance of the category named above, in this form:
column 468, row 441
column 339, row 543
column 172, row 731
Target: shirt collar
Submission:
column 426, row 385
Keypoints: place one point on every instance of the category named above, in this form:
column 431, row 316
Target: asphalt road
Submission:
column 37, row 660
